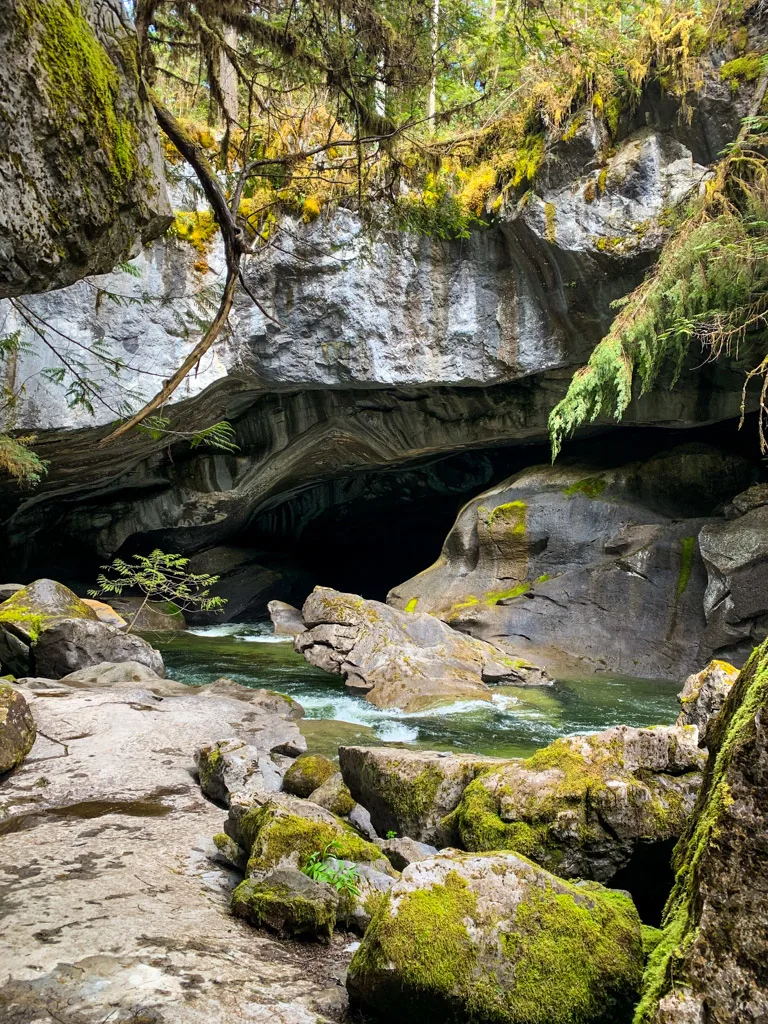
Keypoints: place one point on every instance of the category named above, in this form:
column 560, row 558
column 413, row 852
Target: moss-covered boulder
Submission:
column 17, row 728
column 703, row 695
column 30, row 611
column 286, row 831
column 289, row 903
column 496, row 939
column 334, row 796
column 307, row 773
column 410, row 792
column 711, row 962
column 581, row 806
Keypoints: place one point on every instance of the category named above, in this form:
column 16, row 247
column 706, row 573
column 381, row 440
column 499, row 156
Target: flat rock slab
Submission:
column 111, row 906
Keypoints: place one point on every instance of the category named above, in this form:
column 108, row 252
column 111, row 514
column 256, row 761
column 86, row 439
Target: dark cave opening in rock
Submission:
column 648, row 878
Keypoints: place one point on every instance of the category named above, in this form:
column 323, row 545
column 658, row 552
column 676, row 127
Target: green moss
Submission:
column 747, row 68
column 427, row 940
column 651, row 938
column 273, row 835
column 550, row 220
column 686, row 565
column 307, row 773
column 591, row 487
column 493, row 597
column 510, row 517
column 208, row 766
column 411, row 606
column 735, row 728
column 32, row 622
column 408, row 799
column 527, row 159
column 286, row 912
column 602, row 181
column 480, row 829
column 82, row 83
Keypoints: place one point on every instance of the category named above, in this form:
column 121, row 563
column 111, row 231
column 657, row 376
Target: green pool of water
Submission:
column 519, row 721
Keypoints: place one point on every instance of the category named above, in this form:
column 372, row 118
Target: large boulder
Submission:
column 81, row 170
column 735, row 553
column 17, row 728
column 410, row 792
column 542, row 561
column 711, row 962
column 402, row 659
column 288, row 902
column 582, row 806
column 703, row 695
column 74, row 644
column 29, row 611
column 497, row 940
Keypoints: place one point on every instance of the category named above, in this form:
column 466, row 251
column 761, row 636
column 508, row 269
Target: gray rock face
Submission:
column 735, row 554
column 231, row 766
column 541, row 562
column 106, row 812
column 74, row 644
column 469, row 937
column 82, row 177
column 402, row 659
column 703, row 695
column 711, row 961
column 17, row 728
column 402, row 852
column 286, row 619
column 410, row 791
column 582, row 806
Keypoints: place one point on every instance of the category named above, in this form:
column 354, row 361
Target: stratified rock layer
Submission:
column 82, row 177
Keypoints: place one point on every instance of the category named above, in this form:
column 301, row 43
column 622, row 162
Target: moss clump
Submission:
column 686, row 565
column 411, row 605
column 39, row 605
column 735, row 728
column 208, row 765
column 510, row 517
column 651, row 938
column 494, row 596
column 477, row 823
column 563, row 955
column 197, row 228
column 307, row 773
column 527, row 159
column 286, row 912
column 591, row 487
column 747, row 68
column 550, row 222
column 82, row 83
column 274, row 836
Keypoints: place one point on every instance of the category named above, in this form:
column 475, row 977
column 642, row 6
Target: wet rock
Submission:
column 82, row 173
column 231, row 766
column 288, row 903
column 106, row 613
column 541, row 561
column 402, row 852
column 583, row 805
column 27, row 613
column 286, row 619
column 17, row 728
column 163, row 616
column 735, row 554
column 703, row 695
column 333, row 795
column 710, row 963
column 410, row 791
column 483, row 937
column 400, row 659
column 307, row 773
column 74, row 644
column 105, row 812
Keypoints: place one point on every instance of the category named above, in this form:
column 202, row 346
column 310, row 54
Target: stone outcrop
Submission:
column 584, row 805
column 410, row 792
column 74, row 644
column 735, row 553
column 711, row 961
column 703, row 695
column 30, row 611
column 543, row 561
column 82, row 177
column 105, row 812
column 497, row 940
column 402, row 659
column 17, row 728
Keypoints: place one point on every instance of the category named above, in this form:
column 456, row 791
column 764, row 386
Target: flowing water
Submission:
column 519, row 721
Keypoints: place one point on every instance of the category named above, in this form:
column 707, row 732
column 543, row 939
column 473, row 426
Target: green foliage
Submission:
column 708, row 290
column 391, row 834
column 220, row 436
column 325, row 867
column 160, row 576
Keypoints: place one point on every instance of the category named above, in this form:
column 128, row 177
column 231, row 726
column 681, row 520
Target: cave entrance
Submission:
column 648, row 878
